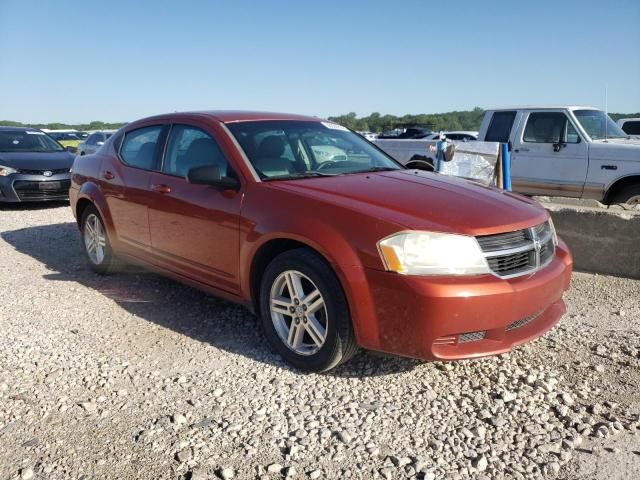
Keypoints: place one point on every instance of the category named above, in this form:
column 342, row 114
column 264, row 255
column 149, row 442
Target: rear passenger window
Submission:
column 631, row 128
column 190, row 147
column 139, row 147
column 549, row 127
column 500, row 127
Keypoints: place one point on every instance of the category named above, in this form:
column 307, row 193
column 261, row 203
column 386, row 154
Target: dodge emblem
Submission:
column 47, row 173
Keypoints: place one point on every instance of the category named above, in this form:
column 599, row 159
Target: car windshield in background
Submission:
column 27, row 141
column 296, row 149
column 63, row 136
column 598, row 125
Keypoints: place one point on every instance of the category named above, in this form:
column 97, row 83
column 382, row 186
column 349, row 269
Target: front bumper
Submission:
column 450, row 318
column 23, row 187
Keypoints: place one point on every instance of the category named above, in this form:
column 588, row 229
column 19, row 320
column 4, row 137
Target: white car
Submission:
column 369, row 135
column 464, row 136
column 630, row 126
column 94, row 141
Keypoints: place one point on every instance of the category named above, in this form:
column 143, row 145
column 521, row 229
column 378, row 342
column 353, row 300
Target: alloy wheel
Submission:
column 95, row 239
column 298, row 312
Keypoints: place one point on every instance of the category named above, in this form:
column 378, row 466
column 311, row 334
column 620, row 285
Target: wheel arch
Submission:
column 269, row 250
column 90, row 194
column 620, row 184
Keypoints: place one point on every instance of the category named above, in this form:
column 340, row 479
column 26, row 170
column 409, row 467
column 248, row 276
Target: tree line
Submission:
column 376, row 122
column 457, row 120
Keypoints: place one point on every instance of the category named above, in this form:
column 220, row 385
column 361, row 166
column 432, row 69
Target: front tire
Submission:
column 304, row 312
column 95, row 242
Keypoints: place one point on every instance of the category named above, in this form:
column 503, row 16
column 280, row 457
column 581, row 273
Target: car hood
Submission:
column 424, row 201
column 37, row 160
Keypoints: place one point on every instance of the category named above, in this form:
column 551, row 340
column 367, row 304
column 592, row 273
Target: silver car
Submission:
column 94, row 141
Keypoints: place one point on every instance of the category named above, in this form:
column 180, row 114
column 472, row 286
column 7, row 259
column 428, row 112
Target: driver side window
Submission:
column 550, row 127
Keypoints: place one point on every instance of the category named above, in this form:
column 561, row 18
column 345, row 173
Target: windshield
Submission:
column 598, row 125
column 294, row 149
column 27, row 141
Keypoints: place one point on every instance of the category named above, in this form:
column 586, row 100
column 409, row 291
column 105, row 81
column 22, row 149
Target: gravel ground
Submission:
column 136, row 376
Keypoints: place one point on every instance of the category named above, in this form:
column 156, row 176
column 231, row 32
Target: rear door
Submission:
column 125, row 183
column 548, row 156
column 195, row 228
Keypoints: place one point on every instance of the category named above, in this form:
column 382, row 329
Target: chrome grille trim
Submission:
column 523, row 252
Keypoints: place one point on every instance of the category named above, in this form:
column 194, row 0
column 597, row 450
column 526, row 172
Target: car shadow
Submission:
column 173, row 305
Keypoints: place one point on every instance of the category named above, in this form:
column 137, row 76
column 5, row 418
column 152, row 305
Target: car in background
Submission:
column 567, row 151
column 407, row 133
column 371, row 136
column 630, row 126
column 330, row 254
column 94, row 141
column 69, row 140
column 462, row 136
column 33, row 166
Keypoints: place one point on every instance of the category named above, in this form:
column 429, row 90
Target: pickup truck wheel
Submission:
column 95, row 241
column 305, row 313
column 629, row 194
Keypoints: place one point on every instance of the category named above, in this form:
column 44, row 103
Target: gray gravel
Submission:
column 136, row 376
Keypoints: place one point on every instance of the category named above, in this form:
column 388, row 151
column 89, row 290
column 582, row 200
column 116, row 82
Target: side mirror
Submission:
column 210, row 175
column 71, row 149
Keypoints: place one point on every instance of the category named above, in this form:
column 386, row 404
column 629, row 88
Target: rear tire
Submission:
column 95, row 241
column 629, row 194
column 305, row 315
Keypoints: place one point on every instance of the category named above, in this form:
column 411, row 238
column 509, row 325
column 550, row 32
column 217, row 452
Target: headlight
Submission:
column 428, row 253
column 5, row 171
column 554, row 235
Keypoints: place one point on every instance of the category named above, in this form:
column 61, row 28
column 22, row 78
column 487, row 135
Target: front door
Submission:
column 550, row 157
column 195, row 228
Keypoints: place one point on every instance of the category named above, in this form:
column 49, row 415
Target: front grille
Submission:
column 28, row 190
column 518, row 253
column 54, row 171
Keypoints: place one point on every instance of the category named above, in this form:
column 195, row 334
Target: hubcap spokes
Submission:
column 298, row 312
column 95, row 240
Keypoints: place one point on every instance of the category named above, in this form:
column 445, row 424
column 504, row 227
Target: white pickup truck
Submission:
column 567, row 151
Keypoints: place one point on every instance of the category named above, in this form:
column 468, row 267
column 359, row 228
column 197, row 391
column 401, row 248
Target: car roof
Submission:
column 543, row 107
column 23, row 129
column 232, row 116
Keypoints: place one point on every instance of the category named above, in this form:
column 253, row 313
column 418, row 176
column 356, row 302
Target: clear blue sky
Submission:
column 117, row 60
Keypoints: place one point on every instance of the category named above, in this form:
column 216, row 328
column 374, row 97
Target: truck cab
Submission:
column 569, row 151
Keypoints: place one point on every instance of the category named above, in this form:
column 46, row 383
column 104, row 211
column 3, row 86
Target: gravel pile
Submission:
column 135, row 376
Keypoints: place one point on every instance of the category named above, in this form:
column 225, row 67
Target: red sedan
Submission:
column 328, row 240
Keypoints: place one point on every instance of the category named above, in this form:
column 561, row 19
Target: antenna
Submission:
column 606, row 109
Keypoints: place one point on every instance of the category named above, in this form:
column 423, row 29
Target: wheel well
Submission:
column 263, row 257
column 421, row 162
column 618, row 185
column 80, row 207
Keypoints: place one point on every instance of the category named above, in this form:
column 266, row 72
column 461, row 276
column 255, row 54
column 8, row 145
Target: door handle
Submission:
column 609, row 167
column 107, row 175
column 161, row 188
column 521, row 150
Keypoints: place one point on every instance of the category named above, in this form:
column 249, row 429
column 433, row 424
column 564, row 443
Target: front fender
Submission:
column 332, row 244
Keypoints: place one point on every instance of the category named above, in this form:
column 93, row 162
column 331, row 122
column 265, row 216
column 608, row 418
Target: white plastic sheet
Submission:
column 473, row 160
